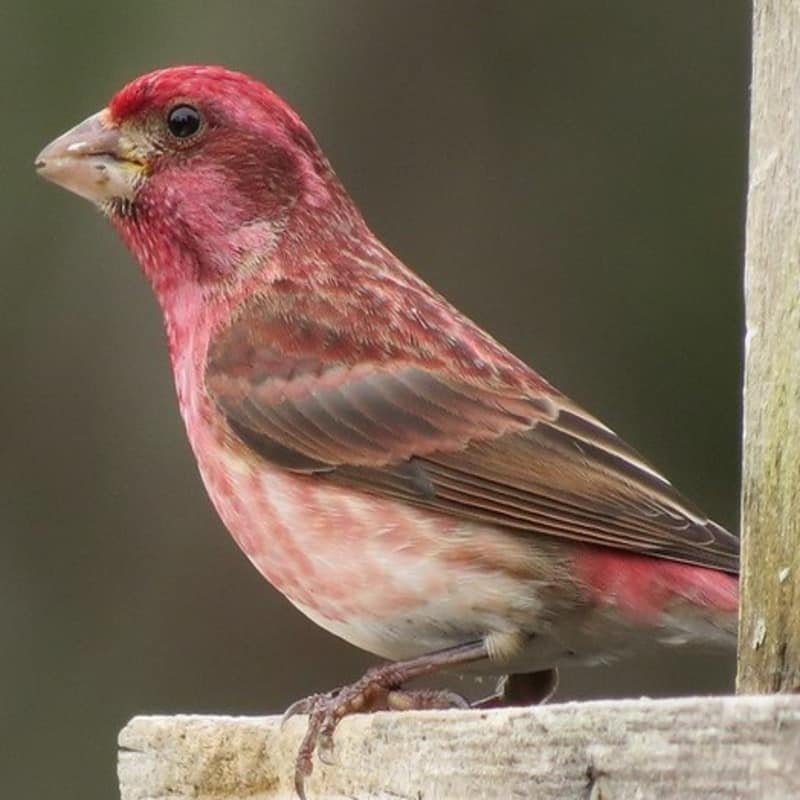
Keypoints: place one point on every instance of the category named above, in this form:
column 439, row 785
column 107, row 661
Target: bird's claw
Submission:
column 303, row 706
column 371, row 693
column 325, row 748
column 324, row 713
column 527, row 689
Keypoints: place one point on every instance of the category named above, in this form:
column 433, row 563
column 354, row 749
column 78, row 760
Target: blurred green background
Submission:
column 570, row 174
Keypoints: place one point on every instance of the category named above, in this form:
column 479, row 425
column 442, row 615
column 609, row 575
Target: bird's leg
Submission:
column 528, row 689
column 380, row 689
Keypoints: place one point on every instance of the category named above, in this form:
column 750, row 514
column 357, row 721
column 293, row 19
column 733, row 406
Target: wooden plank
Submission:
column 715, row 747
column 769, row 627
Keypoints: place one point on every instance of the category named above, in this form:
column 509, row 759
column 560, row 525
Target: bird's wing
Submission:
column 317, row 399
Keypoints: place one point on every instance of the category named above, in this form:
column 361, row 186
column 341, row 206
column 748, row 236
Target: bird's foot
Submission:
column 376, row 691
column 379, row 690
column 529, row 689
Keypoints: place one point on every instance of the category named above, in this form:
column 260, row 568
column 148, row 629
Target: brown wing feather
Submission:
column 404, row 427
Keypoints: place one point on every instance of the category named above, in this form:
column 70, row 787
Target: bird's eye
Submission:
column 184, row 121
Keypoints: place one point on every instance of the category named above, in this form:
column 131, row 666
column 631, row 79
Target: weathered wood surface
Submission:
column 720, row 747
column 769, row 627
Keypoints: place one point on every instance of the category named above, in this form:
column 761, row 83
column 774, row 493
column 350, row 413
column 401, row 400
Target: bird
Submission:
column 402, row 478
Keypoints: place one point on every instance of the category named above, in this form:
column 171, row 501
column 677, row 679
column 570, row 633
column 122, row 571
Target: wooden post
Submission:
column 769, row 625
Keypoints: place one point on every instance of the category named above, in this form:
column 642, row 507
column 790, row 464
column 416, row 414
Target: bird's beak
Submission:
column 94, row 160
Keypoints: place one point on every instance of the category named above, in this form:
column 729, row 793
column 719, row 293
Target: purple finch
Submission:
column 403, row 479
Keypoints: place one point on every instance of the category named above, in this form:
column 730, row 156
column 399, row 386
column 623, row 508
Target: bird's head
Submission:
column 202, row 170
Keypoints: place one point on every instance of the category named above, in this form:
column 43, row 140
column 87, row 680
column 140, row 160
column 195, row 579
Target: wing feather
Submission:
column 404, row 426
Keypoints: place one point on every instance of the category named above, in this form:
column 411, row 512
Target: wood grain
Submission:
column 720, row 747
column 769, row 629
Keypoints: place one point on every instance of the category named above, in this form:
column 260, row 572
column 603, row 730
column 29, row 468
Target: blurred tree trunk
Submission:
column 769, row 625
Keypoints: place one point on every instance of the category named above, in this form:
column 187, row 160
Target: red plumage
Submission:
column 386, row 464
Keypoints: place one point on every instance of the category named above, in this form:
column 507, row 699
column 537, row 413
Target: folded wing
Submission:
column 404, row 426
